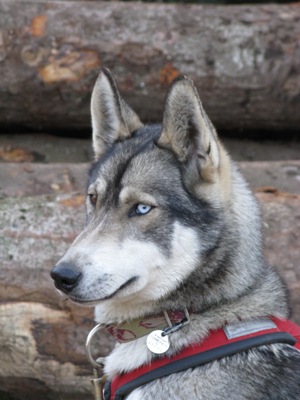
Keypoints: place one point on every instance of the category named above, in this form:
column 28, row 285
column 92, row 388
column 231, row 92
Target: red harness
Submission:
column 215, row 346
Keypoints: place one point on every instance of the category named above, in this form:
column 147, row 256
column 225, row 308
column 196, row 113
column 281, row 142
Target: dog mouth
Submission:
column 125, row 285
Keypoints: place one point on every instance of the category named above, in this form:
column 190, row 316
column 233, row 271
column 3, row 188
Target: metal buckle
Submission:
column 99, row 378
column 175, row 327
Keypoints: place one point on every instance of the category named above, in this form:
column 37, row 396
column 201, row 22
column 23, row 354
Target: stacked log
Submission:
column 244, row 60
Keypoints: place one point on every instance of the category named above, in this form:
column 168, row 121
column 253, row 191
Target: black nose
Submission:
column 65, row 277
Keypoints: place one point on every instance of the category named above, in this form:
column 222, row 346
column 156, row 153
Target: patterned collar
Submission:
column 136, row 328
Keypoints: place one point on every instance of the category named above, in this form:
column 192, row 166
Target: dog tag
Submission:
column 157, row 343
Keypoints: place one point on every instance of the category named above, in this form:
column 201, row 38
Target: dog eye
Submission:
column 142, row 209
column 93, row 198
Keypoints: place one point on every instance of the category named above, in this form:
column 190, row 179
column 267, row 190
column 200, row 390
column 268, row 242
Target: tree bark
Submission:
column 245, row 61
column 42, row 336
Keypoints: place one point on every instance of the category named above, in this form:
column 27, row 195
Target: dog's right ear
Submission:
column 112, row 118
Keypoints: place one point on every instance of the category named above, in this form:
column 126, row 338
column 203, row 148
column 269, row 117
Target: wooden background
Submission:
column 245, row 61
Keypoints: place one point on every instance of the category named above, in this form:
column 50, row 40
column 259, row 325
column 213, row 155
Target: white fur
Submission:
column 127, row 356
column 107, row 263
column 158, row 274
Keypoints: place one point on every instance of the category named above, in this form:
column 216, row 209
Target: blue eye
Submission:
column 142, row 209
column 139, row 210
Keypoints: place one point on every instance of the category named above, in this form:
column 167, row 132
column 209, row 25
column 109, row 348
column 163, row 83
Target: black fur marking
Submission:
column 194, row 214
column 124, row 286
column 209, row 149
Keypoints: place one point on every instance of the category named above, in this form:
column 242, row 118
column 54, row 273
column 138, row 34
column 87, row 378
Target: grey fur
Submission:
column 182, row 170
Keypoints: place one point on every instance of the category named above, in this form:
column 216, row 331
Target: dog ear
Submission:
column 188, row 131
column 112, row 118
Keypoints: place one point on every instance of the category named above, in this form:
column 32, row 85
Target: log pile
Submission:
column 245, row 63
column 42, row 336
column 243, row 59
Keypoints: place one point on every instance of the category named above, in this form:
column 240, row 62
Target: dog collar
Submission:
column 136, row 328
column 231, row 339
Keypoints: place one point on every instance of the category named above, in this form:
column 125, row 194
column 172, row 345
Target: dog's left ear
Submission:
column 188, row 131
column 112, row 118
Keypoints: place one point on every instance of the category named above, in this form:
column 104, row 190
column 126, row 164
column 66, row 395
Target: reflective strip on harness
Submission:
column 215, row 347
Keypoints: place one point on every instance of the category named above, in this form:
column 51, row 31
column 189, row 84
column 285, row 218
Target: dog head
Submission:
column 152, row 202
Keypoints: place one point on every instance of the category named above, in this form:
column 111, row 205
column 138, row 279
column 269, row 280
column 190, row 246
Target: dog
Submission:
column 172, row 225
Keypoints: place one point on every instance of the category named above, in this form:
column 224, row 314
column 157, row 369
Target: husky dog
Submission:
column 172, row 225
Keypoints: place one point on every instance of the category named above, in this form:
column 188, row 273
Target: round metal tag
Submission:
column 157, row 343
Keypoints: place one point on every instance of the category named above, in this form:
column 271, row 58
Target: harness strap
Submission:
column 215, row 347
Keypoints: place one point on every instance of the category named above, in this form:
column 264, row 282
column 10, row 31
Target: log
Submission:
column 42, row 336
column 243, row 59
